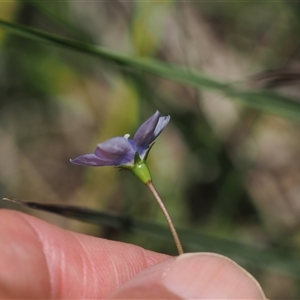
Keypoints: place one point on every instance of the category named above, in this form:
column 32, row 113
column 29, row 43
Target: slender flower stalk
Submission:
column 131, row 154
column 167, row 216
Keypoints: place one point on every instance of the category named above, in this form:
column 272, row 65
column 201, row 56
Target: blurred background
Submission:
column 223, row 169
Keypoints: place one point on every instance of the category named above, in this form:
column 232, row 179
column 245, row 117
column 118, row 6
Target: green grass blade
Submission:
column 151, row 66
column 263, row 100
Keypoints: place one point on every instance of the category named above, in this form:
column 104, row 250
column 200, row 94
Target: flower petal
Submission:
column 118, row 150
column 161, row 125
column 113, row 152
column 91, row 160
column 149, row 131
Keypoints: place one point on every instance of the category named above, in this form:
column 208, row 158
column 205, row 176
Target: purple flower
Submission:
column 122, row 151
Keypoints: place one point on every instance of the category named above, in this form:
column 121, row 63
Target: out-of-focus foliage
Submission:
column 223, row 168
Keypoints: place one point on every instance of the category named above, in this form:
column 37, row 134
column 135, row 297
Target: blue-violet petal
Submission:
column 118, row 150
column 149, row 131
column 91, row 160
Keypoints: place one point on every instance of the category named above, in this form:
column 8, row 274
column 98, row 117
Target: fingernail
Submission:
column 192, row 276
column 210, row 276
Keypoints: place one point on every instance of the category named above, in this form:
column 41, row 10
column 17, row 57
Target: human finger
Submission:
column 39, row 260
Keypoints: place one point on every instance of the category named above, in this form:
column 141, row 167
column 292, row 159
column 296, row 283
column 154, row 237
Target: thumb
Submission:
column 192, row 276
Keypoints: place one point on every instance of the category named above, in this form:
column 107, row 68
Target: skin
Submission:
column 41, row 261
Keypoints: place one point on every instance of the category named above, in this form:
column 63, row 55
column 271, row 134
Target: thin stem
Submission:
column 167, row 216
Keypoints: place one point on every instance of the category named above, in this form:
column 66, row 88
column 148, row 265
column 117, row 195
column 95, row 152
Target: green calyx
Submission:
column 141, row 171
column 139, row 168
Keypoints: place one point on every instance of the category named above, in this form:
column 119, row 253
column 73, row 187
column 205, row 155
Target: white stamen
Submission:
column 126, row 136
